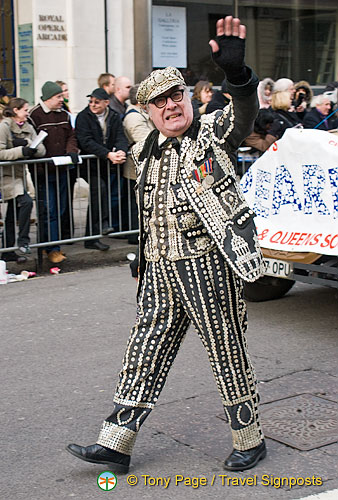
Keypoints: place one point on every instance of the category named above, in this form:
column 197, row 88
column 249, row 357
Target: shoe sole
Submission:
column 260, row 457
column 118, row 467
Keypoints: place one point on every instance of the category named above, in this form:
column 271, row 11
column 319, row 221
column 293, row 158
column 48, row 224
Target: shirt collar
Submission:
column 46, row 108
column 162, row 138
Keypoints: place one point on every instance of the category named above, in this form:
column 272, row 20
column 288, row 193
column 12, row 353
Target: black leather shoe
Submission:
column 243, row 460
column 97, row 454
column 96, row 245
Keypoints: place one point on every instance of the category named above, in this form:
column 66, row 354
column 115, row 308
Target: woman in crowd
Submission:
column 302, row 98
column 264, row 91
column 281, row 103
column 201, row 97
column 16, row 136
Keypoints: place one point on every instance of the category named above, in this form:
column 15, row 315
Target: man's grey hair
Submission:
column 319, row 99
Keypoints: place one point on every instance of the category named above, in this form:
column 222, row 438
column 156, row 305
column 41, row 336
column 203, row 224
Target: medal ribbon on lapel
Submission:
column 203, row 170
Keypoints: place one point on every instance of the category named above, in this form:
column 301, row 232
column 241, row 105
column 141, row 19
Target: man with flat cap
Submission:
column 197, row 245
column 99, row 131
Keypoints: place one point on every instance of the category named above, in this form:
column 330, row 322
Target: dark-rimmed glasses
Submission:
column 161, row 100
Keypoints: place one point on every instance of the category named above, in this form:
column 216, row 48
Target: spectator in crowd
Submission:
column 266, row 131
column 67, row 222
column 331, row 91
column 319, row 117
column 284, row 85
column 220, row 98
column 302, row 98
column 65, row 93
column 49, row 116
column 121, row 95
column 106, row 81
column 16, row 136
column 281, row 103
column 4, row 99
column 201, row 97
column 99, row 131
column 137, row 125
column 264, row 92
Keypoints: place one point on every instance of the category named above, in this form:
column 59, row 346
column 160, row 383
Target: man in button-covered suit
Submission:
column 197, row 245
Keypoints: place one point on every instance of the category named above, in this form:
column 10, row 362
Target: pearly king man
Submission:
column 197, row 245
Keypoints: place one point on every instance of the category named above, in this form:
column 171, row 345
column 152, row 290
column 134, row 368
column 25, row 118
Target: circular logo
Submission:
column 106, row 480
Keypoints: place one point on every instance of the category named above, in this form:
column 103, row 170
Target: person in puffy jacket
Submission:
column 16, row 136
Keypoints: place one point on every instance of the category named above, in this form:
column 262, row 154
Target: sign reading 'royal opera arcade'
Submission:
column 293, row 189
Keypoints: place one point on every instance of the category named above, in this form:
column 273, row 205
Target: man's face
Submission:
column 124, row 89
column 109, row 88
column 324, row 107
column 55, row 102
column 97, row 106
column 175, row 117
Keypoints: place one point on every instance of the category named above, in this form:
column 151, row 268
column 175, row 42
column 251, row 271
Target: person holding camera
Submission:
column 16, row 135
column 302, row 98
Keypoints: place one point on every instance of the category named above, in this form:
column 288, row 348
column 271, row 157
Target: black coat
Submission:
column 218, row 101
column 287, row 119
column 313, row 117
column 90, row 135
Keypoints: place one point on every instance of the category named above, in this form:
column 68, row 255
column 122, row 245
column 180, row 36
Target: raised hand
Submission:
column 228, row 47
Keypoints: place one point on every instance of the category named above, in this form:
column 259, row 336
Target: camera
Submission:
column 301, row 97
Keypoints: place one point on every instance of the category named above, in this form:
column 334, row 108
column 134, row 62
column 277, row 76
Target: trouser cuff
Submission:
column 117, row 438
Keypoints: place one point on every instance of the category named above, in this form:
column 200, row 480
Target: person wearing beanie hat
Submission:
column 197, row 244
column 49, row 116
column 50, row 89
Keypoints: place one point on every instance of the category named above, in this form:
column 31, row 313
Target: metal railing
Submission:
column 70, row 203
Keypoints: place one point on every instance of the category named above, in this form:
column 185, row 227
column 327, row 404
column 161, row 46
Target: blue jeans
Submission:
column 57, row 207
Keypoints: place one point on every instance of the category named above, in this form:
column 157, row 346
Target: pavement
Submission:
column 62, row 341
column 78, row 257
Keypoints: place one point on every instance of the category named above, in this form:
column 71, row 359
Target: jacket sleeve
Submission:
column 261, row 143
column 41, row 150
column 84, row 136
column 8, row 154
column 121, row 142
column 245, row 105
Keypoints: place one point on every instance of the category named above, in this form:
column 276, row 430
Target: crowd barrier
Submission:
column 90, row 199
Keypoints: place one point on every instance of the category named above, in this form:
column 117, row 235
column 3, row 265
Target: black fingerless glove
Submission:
column 74, row 157
column 28, row 152
column 230, row 58
column 19, row 142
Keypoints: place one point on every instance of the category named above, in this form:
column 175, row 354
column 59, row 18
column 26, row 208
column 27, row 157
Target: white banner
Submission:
column 293, row 189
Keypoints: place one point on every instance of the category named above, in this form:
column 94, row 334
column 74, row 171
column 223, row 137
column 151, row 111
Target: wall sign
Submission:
column 26, row 62
column 51, row 27
column 169, row 36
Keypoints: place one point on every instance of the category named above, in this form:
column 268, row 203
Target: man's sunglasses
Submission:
column 161, row 100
